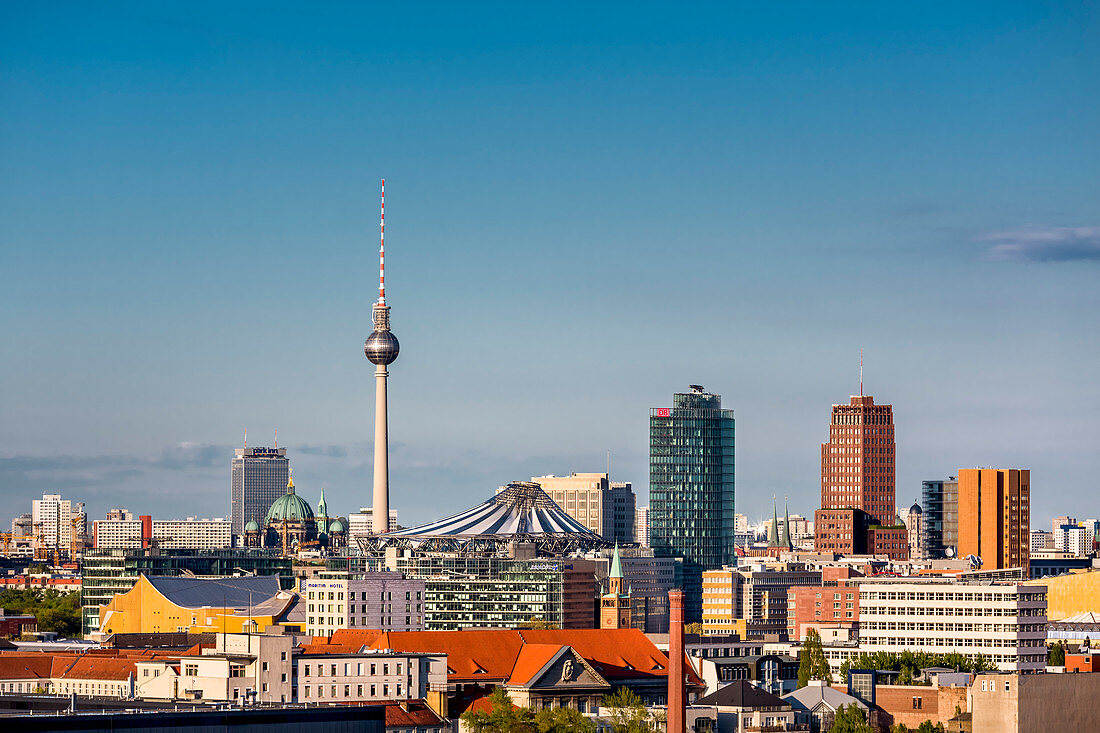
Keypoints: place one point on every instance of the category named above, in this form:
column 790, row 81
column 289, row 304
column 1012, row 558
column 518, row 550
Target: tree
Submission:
column 817, row 664
column 850, row 719
column 563, row 720
column 899, row 728
column 694, row 628
column 803, row 667
column 538, row 622
column 628, row 713
column 59, row 612
column 928, row 727
column 503, row 716
column 1056, row 657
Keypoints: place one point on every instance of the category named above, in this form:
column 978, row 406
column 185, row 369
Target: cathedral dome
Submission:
column 336, row 526
column 289, row 507
column 252, row 526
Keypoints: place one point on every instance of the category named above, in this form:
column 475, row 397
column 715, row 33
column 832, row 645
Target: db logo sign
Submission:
column 662, row 412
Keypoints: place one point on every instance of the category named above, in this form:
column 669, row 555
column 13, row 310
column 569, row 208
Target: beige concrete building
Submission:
column 376, row 600
column 1014, row 703
column 605, row 507
column 751, row 601
column 1004, row 622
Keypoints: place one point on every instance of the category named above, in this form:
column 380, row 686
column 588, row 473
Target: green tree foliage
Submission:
column 563, row 720
column 1056, row 657
column 851, row 719
column 59, row 612
column 694, row 628
column 899, row 728
column 628, row 713
column 504, row 717
column 910, row 663
column 812, row 664
column 803, row 667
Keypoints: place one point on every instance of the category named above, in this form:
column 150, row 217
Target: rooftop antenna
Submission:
column 246, row 437
column 382, row 250
column 277, row 435
column 609, row 466
column 861, row 372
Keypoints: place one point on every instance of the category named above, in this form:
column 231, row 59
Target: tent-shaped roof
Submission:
column 190, row 592
column 743, row 694
column 521, row 508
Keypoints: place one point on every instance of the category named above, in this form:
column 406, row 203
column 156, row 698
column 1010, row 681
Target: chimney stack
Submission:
column 146, row 531
column 676, row 696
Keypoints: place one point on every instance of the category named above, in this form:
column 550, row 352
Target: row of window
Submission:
column 339, row 595
column 349, row 670
column 319, row 691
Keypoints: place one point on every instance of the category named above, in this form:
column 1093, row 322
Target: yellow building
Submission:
column 720, row 588
column 160, row 604
column 1072, row 594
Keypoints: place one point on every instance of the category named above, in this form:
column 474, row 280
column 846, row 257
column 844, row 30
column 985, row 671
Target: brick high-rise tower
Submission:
column 995, row 516
column 857, row 464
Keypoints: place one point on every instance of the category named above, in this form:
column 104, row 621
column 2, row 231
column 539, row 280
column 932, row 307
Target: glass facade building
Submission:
column 691, row 487
column 940, row 523
column 492, row 592
column 107, row 572
column 260, row 477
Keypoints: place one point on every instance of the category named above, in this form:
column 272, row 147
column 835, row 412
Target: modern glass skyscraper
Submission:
column 260, row 477
column 691, row 490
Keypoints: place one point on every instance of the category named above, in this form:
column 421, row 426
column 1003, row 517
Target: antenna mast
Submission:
column 861, row 372
column 382, row 250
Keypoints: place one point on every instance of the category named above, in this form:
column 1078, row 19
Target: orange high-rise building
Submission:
column 857, row 464
column 995, row 516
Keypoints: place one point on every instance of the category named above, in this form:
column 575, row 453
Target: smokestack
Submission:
column 676, row 696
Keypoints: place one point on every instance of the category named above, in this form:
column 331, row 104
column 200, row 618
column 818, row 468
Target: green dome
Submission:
column 336, row 526
column 290, row 507
column 252, row 526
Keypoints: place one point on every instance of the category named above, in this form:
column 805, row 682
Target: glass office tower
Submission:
column 691, row 492
column 940, row 524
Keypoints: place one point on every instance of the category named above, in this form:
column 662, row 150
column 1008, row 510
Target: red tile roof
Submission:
column 411, row 714
column 21, row 667
column 532, row 658
column 99, row 668
column 475, row 654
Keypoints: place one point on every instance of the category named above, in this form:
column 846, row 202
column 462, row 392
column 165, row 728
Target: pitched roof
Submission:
column 190, row 592
column 347, row 637
column 472, row 654
column 743, row 694
column 815, row 693
column 99, row 668
column 411, row 714
column 21, row 667
column 532, row 658
column 614, row 653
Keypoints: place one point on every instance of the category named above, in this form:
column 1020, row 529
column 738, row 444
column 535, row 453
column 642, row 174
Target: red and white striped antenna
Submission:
column 382, row 250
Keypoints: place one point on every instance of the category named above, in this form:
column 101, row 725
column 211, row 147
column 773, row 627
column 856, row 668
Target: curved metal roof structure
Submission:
column 521, row 512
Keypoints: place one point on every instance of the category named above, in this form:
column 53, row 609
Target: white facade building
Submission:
column 369, row 676
column 360, row 524
column 384, row 600
column 1075, row 539
column 53, row 520
column 641, row 526
column 1041, row 540
column 1004, row 622
column 169, row 534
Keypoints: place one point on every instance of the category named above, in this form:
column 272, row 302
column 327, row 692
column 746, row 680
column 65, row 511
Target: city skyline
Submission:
column 190, row 209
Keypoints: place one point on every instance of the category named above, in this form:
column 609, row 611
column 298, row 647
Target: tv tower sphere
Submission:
column 381, row 347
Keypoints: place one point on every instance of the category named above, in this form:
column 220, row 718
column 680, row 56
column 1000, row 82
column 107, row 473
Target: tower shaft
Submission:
column 380, row 511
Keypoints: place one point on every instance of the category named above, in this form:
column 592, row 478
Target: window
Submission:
column 264, row 666
column 359, row 690
column 191, row 670
column 306, row 672
column 347, row 690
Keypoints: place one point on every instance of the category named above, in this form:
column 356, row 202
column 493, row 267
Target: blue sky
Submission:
column 588, row 209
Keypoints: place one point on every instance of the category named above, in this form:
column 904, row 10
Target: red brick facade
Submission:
column 857, row 464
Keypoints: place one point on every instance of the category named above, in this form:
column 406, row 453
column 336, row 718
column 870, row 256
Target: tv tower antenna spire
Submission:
column 861, row 372
column 381, row 348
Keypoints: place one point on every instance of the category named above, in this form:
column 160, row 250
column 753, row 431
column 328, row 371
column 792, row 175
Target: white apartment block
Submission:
column 53, row 520
column 359, row 524
column 384, row 600
column 1041, row 540
column 369, row 676
column 1004, row 622
column 1077, row 540
column 169, row 534
column 641, row 526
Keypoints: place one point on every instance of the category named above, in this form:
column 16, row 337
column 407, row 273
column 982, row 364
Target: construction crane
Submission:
column 76, row 536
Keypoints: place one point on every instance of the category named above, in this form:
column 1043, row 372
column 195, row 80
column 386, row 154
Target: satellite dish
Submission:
column 950, row 552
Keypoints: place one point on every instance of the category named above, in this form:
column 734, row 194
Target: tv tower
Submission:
column 381, row 349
